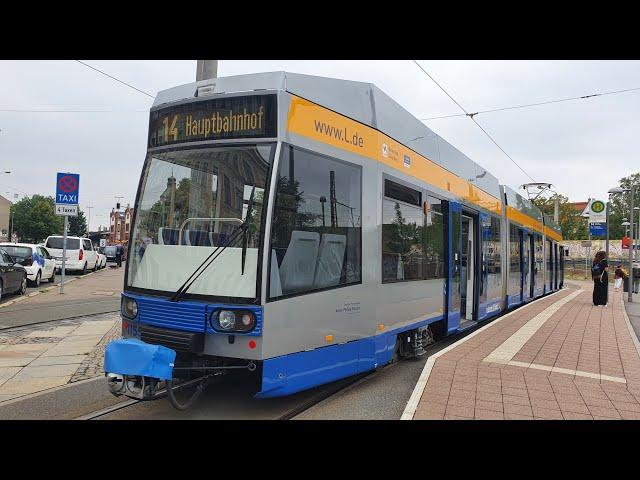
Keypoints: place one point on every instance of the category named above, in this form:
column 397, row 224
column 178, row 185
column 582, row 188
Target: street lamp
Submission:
column 637, row 233
column 626, row 225
column 632, row 191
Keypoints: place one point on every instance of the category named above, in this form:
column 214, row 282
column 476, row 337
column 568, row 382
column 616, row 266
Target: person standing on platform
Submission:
column 600, row 278
column 619, row 276
column 119, row 255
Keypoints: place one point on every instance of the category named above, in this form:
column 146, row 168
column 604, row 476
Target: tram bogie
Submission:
column 301, row 230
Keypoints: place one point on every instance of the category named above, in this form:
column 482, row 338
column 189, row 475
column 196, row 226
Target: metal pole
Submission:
column 586, row 259
column 607, row 226
column 633, row 192
column 556, row 211
column 638, row 230
column 89, row 219
column 64, row 252
column 206, row 69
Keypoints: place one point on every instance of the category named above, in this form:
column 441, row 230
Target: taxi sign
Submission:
column 67, row 210
column 67, row 187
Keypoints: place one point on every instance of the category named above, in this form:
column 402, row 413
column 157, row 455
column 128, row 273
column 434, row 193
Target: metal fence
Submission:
column 579, row 269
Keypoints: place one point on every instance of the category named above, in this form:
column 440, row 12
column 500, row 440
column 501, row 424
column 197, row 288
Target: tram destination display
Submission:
column 251, row 116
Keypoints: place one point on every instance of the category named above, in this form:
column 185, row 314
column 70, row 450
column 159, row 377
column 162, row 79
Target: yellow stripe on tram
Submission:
column 318, row 123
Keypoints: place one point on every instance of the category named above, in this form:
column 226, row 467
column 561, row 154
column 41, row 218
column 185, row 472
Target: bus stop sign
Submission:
column 67, row 187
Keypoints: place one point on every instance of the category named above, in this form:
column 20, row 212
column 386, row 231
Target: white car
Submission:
column 102, row 260
column 81, row 256
column 35, row 259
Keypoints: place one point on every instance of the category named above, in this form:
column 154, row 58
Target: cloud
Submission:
column 582, row 147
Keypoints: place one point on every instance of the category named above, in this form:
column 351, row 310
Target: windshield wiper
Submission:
column 241, row 229
column 245, row 228
column 202, row 267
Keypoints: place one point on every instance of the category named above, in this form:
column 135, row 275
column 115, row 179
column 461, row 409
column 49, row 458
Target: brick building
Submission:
column 120, row 225
column 5, row 206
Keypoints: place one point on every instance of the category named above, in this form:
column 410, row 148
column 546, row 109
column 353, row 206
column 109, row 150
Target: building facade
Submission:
column 120, row 225
column 5, row 207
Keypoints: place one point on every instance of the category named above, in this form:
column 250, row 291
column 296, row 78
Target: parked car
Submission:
column 110, row 252
column 13, row 276
column 102, row 260
column 36, row 260
column 81, row 256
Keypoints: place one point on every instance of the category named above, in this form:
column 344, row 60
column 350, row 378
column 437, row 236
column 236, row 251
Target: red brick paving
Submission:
column 579, row 336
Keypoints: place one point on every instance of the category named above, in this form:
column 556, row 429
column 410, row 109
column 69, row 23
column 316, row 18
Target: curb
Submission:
column 412, row 404
column 65, row 402
column 632, row 332
column 44, row 290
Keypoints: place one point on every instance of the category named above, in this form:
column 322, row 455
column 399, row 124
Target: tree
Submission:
column 34, row 219
column 573, row 225
column 620, row 204
column 78, row 225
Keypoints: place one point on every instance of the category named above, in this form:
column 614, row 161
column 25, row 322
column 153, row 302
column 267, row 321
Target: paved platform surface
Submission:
column 560, row 357
column 40, row 357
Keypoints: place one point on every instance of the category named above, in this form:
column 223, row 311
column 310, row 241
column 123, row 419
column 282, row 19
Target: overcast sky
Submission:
column 583, row 147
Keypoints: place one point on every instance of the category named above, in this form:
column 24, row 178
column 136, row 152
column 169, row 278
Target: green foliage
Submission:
column 402, row 236
column 573, row 225
column 34, row 219
column 620, row 205
column 288, row 213
column 78, row 225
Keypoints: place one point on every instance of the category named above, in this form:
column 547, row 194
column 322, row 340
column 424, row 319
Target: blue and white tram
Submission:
column 307, row 229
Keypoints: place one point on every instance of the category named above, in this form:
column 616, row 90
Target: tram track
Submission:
column 306, row 401
column 72, row 317
column 323, row 393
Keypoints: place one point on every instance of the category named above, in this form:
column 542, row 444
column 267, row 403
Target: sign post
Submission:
column 67, row 187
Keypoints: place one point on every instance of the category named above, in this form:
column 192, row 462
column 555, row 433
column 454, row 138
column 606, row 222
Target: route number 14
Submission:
column 170, row 130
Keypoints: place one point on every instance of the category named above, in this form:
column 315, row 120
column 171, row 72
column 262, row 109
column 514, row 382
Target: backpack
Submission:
column 597, row 272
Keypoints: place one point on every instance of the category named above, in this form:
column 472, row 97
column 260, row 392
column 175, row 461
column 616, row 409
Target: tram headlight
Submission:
column 129, row 307
column 227, row 319
column 233, row 320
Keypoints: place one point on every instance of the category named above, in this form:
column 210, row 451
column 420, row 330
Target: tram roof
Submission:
column 548, row 222
column 522, row 204
column 363, row 102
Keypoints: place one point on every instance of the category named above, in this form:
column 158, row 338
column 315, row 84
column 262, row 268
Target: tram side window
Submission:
column 514, row 260
column 316, row 226
column 434, row 240
column 402, row 234
column 494, row 260
column 539, row 261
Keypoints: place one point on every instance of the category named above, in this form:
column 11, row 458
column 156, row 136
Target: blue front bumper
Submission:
column 130, row 356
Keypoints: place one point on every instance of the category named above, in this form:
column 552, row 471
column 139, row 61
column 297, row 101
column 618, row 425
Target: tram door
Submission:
column 463, row 260
column 468, row 270
column 526, row 248
column 561, row 265
column 556, row 267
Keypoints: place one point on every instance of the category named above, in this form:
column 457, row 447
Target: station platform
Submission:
column 559, row 357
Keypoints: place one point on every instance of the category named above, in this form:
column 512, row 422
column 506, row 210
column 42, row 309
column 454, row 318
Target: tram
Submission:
column 301, row 229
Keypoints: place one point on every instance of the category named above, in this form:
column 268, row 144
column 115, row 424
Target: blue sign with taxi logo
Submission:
column 67, row 187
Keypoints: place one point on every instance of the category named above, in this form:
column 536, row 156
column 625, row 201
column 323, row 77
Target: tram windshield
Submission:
column 190, row 202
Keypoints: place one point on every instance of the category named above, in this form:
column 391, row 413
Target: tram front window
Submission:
column 190, row 202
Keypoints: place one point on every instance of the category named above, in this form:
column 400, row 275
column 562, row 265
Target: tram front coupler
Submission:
column 147, row 372
column 134, row 386
column 137, row 369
